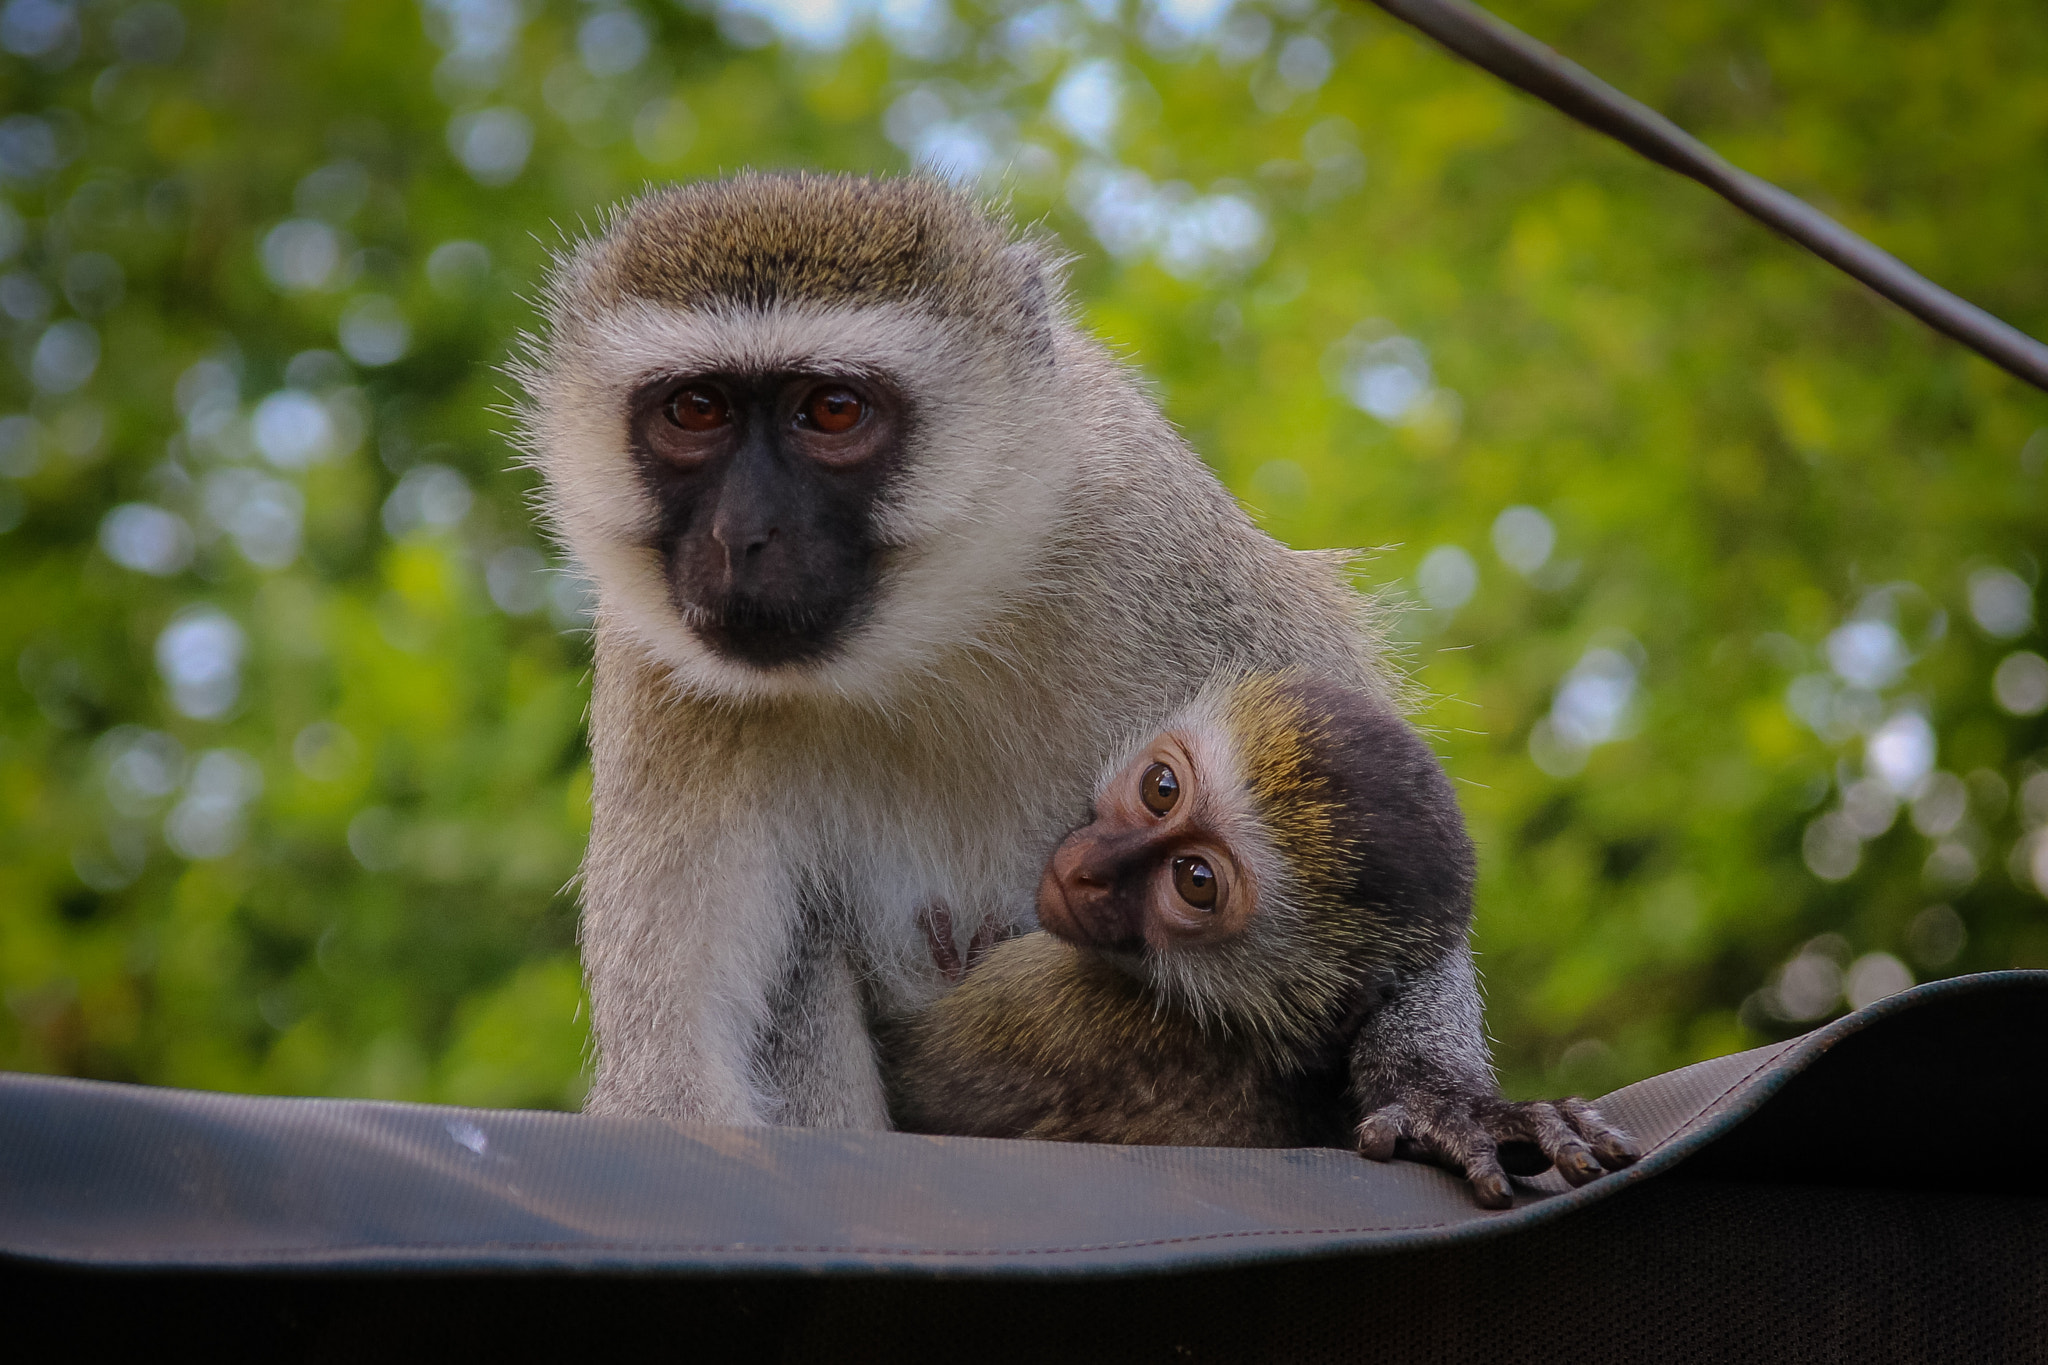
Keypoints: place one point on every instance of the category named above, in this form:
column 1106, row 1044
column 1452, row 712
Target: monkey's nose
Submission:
column 743, row 545
column 1076, row 895
column 1074, row 866
column 746, row 539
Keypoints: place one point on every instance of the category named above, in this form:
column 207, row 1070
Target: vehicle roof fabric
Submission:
column 1918, row 1091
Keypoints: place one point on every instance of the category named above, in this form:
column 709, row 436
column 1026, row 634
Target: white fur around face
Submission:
column 955, row 544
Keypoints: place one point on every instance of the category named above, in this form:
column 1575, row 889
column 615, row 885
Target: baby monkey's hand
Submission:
column 1489, row 1138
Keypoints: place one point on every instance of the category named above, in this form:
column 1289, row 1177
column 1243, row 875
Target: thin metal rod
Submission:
column 1520, row 60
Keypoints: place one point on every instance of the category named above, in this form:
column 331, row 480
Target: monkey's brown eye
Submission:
column 1159, row 789
column 695, row 409
column 1196, row 882
column 834, row 410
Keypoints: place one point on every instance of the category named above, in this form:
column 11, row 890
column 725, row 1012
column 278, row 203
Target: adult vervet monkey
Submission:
column 889, row 556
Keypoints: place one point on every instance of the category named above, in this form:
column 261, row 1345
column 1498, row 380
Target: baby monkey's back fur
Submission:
column 1048, row 1041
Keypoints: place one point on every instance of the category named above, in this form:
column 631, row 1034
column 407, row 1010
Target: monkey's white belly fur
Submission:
column 798, row 826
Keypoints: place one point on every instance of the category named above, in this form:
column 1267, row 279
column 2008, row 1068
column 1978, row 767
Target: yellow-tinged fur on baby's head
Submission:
column 1355, row 845
column 1276, row 732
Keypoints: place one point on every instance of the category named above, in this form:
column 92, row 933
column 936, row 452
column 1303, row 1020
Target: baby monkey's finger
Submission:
column 1381, row 1132
column 1613, row 1147
column 1575, row 1162
column 1490, row 1188
column 1464, row 1143
column 1561, row 1142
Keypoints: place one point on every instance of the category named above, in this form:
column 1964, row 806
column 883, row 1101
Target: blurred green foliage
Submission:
column 1720, row 573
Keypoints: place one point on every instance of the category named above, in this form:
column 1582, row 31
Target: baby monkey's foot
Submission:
column 1489, row 1138
column 937, row 922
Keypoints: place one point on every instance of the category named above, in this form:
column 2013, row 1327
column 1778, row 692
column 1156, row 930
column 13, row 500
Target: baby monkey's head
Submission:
column 1284, row 846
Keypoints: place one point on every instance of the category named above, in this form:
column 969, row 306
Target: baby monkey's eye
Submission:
column 833, row 410
column 1159, row 789
column 1196, row 882
column 695, row 409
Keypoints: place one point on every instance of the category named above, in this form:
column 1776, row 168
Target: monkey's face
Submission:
column 1155, row 868
column 805, row 502
column 685, row 406
column 766, row 487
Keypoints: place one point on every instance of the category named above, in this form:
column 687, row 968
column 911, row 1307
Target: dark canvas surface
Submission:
column 1853, row 1194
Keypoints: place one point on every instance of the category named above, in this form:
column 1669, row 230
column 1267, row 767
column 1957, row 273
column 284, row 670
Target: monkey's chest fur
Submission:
column 1044, row 1041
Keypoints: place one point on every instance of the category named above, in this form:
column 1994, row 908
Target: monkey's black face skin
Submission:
column 768, row 486
column 1153, row 868
column 1096, row 888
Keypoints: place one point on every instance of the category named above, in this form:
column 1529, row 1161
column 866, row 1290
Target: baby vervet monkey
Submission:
column 1259, row 940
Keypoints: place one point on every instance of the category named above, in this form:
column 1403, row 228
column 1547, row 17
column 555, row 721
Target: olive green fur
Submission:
column 1044, row 1040
column 1275, row 733
column 759, row 241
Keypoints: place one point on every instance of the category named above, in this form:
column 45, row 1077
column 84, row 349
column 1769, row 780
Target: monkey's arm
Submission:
column 718, row 993
column 683, row 953
column 1424, row 1084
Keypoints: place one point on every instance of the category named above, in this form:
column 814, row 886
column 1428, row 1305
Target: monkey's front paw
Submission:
column 1489, row 1138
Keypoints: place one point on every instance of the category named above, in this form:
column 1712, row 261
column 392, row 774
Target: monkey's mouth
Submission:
column 765, row 633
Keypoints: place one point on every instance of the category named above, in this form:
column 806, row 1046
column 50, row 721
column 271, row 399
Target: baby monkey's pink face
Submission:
column 1155, row 867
